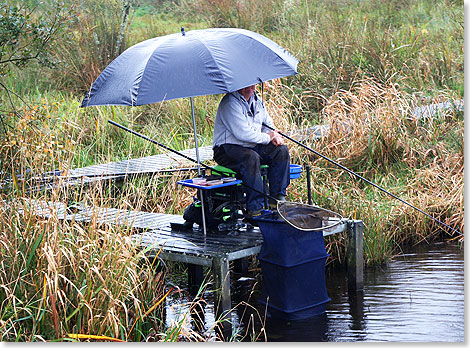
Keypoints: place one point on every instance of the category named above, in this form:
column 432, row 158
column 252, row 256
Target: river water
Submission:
column 417, row 297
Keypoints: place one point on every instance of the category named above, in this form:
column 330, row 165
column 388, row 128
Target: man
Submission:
column 242, row 144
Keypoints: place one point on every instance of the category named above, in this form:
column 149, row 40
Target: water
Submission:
column 418, row 297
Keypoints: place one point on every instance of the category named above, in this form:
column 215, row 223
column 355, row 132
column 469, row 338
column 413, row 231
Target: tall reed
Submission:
column 97, row 36
column 364, row 67
column 373, row 132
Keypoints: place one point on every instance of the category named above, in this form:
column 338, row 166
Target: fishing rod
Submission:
column 362, row 178
column 183, row 155
column 308, row 209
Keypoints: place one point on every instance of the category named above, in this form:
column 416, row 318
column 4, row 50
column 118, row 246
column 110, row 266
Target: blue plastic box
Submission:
column 293, row 288
column 295, row 171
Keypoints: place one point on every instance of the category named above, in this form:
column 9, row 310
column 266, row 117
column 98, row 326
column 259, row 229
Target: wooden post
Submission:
column 222, row 299
column 355, row 255
column 241, row 266
column 195, row 278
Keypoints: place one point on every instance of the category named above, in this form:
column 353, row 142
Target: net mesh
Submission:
column 307, row 217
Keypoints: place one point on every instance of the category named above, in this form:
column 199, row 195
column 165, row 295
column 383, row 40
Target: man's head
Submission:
column 247, row 92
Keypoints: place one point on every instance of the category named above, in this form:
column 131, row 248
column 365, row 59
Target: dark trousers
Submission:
column 247, row 161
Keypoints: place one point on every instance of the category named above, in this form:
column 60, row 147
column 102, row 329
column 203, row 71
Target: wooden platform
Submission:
column 143, row 165
column 214, row 250
column 191, row 247
column 185, row 246
column 116, row 170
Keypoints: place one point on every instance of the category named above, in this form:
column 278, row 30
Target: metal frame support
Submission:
column 355, row 255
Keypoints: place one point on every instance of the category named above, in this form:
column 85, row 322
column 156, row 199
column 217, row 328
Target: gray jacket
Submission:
column 235, row 123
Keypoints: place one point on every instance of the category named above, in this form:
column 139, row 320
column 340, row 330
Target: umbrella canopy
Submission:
column 189, row 64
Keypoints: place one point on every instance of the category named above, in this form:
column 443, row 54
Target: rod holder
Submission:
column 309, row 190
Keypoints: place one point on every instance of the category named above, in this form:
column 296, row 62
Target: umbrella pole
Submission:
column 201, row 192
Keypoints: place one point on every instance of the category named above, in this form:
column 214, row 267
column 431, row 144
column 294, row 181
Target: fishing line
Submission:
column 362, row 178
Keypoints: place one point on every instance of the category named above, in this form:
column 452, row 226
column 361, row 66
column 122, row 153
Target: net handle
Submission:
column 280, row 203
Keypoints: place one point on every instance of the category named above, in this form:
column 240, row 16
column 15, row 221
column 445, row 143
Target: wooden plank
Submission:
column 355, row 257
column 157, row 232
column 222, row 298
column 149, row 164
column 211, row 246
column 202, row 260
column 116, row 170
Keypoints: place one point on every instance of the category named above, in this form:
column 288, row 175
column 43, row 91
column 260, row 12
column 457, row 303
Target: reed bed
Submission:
column 62, row 280
column 373, row 132
column 365, row 66
column 69, row 280
column 84, row 281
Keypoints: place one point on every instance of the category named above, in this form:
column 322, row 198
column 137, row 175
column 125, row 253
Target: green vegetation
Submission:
column 365, row 66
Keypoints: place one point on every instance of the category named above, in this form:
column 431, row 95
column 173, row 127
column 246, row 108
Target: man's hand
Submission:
column 276, row 138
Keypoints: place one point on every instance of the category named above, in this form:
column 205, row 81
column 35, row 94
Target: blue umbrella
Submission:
column 193, row 63
column 189, row 64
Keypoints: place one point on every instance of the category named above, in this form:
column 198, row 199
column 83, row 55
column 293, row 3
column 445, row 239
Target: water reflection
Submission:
column 306, row 330
column 356, row 311
column 418, row 297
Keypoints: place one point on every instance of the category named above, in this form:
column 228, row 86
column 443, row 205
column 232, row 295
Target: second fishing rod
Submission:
column 362, row 178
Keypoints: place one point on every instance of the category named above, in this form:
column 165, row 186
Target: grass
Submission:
column 365, row 66
column 73, row 284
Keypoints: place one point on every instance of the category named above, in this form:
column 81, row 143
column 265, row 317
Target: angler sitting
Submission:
column 243, row 144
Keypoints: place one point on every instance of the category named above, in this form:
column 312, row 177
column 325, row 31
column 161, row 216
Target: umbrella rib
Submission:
column 215, row 62
column 166, row 38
